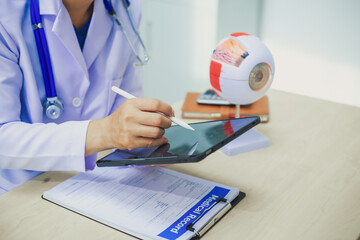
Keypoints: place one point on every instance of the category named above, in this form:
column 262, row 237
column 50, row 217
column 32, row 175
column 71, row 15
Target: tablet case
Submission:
column 181, row 158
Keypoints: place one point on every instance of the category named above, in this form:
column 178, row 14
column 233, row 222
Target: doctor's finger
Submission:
column 155, row 105
column 150, row 142
column 154, row 119
column 149, row 131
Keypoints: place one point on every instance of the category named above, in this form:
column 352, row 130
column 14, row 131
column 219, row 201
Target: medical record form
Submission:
column 146, row 202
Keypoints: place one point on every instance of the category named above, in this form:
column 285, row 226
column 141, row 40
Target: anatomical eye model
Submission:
column 241, row 69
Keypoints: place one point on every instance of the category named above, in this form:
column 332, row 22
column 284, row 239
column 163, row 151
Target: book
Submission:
column 146, row 202
column 191, row 109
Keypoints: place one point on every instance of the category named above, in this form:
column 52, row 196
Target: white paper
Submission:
column 142, row 201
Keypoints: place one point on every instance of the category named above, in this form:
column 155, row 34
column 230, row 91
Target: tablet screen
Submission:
column 186, row 143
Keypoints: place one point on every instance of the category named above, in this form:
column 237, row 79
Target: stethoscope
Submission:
column 53, row 106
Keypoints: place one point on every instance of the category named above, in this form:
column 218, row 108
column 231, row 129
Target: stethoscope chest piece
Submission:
column 53, row 108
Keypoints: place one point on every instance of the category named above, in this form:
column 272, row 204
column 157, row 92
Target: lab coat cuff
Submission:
column 90, row 162
column 84, row 163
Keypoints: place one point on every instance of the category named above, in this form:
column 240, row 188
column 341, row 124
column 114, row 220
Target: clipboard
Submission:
column 198, row 232
column 211, row 223
column 205, row 205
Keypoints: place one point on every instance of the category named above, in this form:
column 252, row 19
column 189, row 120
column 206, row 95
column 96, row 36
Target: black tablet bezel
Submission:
column 179, row 159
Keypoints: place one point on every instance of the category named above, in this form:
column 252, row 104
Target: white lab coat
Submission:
column 28, row 139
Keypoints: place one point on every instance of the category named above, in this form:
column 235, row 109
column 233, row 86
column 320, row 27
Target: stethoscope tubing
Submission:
column 134, row 28
column 43, row 50
column 111, row 11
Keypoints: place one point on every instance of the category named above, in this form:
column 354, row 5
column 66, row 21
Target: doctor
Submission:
column 88, row 54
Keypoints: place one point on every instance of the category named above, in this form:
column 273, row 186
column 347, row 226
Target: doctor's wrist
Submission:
column 96, row 138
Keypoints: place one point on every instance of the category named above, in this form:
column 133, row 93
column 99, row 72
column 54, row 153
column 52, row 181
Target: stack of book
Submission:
column 191, row 109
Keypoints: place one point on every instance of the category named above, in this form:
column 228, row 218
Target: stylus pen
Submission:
column 173, row 119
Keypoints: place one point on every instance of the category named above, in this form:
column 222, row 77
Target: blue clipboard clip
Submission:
column 212, row 221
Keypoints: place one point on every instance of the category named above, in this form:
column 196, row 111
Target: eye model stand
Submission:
column 237, row 110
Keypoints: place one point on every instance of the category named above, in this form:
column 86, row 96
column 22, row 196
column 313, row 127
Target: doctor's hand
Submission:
column 134, row 124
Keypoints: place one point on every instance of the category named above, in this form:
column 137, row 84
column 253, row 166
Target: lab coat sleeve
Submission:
column 33, row 146
column 43, row 147
column 131, row 81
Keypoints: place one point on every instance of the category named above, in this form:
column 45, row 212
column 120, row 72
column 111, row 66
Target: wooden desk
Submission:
column 306, row 185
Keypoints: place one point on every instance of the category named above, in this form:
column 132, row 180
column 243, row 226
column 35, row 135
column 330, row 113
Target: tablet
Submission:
column 184, row 146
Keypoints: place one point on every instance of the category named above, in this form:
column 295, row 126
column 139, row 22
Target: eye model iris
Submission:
column 259, row 76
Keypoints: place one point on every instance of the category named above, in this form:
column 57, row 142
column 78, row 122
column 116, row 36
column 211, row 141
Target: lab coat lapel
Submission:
column 98, row 33
column 64, row 30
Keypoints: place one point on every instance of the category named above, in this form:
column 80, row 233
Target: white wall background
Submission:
column 316, row 46
column 239, row 16
column 180, row 35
